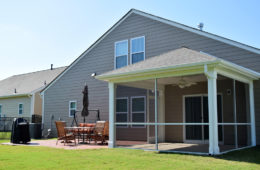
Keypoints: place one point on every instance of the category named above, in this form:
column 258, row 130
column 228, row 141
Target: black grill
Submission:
column 20, row 131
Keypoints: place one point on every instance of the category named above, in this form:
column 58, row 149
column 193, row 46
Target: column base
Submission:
column 111, row 144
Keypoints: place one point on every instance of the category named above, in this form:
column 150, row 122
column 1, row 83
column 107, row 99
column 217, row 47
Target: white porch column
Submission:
column 112, row 130
column 252, row 113
column 156, row 113
column 213, row 114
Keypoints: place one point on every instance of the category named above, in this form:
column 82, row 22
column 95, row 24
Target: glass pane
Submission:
column 137, row 57
column 121, row 105
column 121, row 117
column 137, row 45
column 193, row 132
column 0, row 109
column 72, row 112
column 193, row 110
column 73, row 105
column 137, row 117
column 137, row 104
column 20, row 106
column 121, row 48
column 121, row 61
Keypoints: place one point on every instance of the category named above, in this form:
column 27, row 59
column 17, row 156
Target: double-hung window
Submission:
column 122, row 110
column 121, row 54
column 20, row 109
column 137, row 49
column 72, row 108
column 138, row 110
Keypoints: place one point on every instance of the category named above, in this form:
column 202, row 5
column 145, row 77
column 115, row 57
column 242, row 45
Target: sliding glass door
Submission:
column 196, row 111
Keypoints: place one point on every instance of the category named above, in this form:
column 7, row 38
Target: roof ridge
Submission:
column 37, row 71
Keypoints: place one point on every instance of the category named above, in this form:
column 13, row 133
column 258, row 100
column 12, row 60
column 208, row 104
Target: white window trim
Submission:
column 136, row 97
column 131, row 47
column 19, row 108
column 127, row 112
column 75, row 106
column 119, row 56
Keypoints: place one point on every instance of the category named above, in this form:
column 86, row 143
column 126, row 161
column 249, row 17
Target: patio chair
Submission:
column 62, row 133
column 101, row 131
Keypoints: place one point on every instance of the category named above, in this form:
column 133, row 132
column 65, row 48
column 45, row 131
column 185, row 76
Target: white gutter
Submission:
column 16, row 95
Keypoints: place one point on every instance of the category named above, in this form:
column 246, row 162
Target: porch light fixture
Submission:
column 93, row 74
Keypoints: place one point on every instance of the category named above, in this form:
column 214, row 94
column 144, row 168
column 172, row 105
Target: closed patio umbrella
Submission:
column 85, row 111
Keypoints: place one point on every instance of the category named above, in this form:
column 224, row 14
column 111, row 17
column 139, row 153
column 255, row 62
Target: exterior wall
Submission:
column 10, row 106
column 174, row 109
column 37, row 104
column 159, row 38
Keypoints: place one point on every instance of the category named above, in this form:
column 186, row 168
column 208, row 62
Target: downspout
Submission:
column 32, row 104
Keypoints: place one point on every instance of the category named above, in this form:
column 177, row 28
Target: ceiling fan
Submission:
column 182, row 83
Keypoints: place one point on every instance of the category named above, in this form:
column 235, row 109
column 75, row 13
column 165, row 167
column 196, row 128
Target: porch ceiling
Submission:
column 149, row 84
column 180, row 62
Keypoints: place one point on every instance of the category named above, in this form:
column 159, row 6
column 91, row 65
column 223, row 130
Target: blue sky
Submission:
column 35, row 34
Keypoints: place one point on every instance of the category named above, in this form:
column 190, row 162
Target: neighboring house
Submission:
column 143, row 55
column 19, row 94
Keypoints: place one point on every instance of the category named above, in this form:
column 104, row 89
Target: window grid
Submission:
column 20, row 109
column 72, row 108
column 132, row 53
column 117, row 56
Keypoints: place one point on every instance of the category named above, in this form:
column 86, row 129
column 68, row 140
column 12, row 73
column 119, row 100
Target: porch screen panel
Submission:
column 138, row 110
column 121, row 111
column 206, row 117
column 193, row 115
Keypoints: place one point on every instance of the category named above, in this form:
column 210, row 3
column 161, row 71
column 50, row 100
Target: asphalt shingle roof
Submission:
column 29, row 82
column 178, row 57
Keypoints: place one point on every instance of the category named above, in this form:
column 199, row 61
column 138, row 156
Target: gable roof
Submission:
column 163, row 20
column 176, row 60
column 26, row 84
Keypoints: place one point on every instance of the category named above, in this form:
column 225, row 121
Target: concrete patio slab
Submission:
column 52, row 144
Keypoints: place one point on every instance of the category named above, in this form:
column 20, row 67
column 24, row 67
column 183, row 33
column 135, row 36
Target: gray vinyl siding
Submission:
column 10, row 106
column 159, row 38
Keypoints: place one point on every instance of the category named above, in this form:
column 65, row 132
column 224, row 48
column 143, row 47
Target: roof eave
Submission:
column 15, row 95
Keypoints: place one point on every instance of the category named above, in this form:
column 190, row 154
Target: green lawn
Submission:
column 5, row 135
column 25, row 157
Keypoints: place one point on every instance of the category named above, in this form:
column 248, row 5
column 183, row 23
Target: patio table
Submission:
column 80, row 131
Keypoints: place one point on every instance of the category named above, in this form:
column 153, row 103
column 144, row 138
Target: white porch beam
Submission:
column 252, row 113
column 112, row 130
column 233, row 75
column 213, row 114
